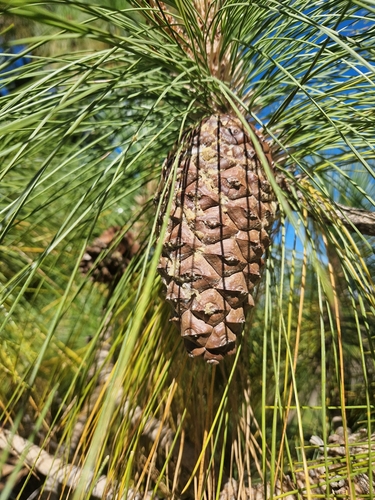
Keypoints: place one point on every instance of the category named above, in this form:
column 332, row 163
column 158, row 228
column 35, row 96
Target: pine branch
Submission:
column 350, row 217
column 334, row 478
column 55, row 470
column 363, row 220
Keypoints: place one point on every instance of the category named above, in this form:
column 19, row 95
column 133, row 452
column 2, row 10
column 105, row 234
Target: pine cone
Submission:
column 217, row 233
column 110, row 269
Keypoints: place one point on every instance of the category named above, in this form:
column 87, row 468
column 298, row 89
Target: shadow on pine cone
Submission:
column 109, row 269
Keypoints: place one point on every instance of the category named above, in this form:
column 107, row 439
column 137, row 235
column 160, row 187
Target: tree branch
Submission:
column 351, row 218
column 363, row 220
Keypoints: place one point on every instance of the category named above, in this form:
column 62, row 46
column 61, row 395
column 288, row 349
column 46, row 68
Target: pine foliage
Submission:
column 95, row 376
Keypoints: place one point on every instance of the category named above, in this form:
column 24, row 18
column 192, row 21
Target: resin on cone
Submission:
column 217, row 234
